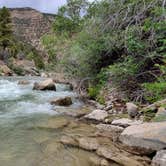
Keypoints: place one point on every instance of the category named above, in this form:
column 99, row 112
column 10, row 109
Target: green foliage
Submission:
column 126, row 37
column 33, row 55
column 69, row 19
column 6, row 34
column 149, row 114
column 155, row 91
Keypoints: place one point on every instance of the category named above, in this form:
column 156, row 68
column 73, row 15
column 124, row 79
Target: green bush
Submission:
column 155, row 91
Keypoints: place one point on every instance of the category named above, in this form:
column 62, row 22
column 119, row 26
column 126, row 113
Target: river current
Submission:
column 23, row 142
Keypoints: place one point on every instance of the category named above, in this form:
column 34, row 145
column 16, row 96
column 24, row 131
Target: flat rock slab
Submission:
column 145, row 138
column 97, row 115
column 159, row 159
column 125, row 122
column 118, row 157
column 110, row 131
column 54, row 123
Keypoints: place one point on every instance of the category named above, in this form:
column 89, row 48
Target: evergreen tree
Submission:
column 6, row 33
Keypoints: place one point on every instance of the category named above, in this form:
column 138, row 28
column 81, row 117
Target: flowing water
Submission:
column 23, row 139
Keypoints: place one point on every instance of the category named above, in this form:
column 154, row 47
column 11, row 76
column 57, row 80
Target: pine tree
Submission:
column 6, row 33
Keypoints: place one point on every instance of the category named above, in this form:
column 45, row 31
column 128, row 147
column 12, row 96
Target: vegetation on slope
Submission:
column 123, row 41
column 11, row 48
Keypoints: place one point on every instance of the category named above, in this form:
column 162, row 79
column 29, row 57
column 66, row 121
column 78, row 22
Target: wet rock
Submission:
column 99, row 161
column 68, row 140
column 23, row 82
column 78, row 113
column 97, row 115
column 88, row 143
column 132, row 110
column 65, row 101
column 159, row 159
column 145, row 138
column 125, row 122
column 118, row 157
column 45, row 85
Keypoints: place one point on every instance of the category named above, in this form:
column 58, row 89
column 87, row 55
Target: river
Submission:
column 26, row 139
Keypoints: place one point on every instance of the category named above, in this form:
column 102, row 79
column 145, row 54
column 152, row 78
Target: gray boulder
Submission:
column 145, row 138
column 132, row 110
column 45, row 85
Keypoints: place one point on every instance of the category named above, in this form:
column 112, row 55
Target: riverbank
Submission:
column 79, row 133
column 120, row 137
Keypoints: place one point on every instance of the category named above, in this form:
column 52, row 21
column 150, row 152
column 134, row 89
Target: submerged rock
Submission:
column 65, row 101
column 97, row 115
column 54, row 123
column 23, row 82
column 159, row 159
column 45, row 85
column 145, row 138
column 99, row 161
column 88, row 143
column 68, row 140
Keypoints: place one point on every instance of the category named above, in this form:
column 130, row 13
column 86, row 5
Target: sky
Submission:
column 46, row 6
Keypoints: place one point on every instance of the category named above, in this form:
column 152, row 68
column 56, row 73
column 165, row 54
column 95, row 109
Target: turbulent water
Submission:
column 22, row 142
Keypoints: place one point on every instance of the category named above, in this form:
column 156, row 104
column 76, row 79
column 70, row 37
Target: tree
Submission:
column 6, row 33
column 74, row 9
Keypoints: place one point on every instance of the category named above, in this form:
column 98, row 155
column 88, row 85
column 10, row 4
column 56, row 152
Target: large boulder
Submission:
column 97, row 115
column 45, row 85
column 65, row 101
column 159, row 159
column 145, row 138
column 132, row 110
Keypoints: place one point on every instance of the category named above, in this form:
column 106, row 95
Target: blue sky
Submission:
column 47, row 6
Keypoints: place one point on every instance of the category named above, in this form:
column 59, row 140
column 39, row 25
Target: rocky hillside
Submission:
column 30, row 25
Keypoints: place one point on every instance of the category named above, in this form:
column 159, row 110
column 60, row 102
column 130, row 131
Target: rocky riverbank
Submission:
column 118, row 137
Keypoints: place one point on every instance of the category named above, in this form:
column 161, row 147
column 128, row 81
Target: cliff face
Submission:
column 30, row 25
